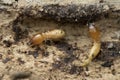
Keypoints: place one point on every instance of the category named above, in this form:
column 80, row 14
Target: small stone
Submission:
column 20, row 61
column 87, row 73
column 7, row 43
column 6, row 60
column 105, row 7
column 113, row 71
column 107, row 64
column 0, row 56
column 110, row 46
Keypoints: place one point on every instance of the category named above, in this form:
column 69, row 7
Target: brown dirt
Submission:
column 58, row 60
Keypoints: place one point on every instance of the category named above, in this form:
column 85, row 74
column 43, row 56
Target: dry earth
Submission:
column 56, row 60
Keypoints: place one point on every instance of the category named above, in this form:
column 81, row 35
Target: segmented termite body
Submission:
column 95, row 35
column 52, row 35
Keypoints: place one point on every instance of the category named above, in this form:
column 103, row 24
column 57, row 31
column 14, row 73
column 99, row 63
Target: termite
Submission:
column 95, row 35
column 56, row 34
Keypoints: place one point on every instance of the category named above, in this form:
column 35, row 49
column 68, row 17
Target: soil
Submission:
column 57, row 60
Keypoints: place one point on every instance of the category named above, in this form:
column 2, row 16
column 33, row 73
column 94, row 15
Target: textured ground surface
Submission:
column 56, row 60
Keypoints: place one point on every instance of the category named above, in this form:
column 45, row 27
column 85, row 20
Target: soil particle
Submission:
column 20, row 61
column 1, row 56
column 75, row 70
column 57, row 65
column 20, row 32
column 113, row 71
column 35, row 53
column 1, row 37
column 110, row 46
column 68, row 59
column 107, row 63
column 101, row 1
column 48, row 42
column 17, row 0
column 6, row 60
column 7, row 43
column 46, row 54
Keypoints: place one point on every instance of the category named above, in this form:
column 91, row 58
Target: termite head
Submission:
column 37, row 39
column 94, row 32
